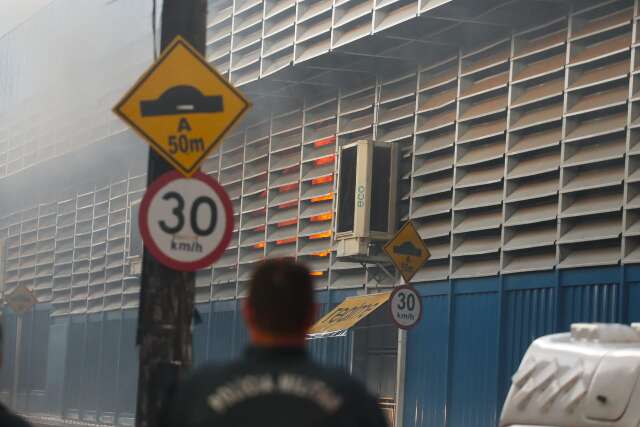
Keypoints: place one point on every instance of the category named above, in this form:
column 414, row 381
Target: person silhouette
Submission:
column 275, row 383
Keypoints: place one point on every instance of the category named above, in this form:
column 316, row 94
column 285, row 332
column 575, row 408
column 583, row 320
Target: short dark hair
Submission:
column 281, row 296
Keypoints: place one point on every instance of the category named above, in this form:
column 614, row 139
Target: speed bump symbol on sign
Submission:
column 182, row 107
column 407, row 251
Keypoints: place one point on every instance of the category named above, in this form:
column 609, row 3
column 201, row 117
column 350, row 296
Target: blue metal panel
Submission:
column 336, row 296
column 321, row 297
column 632, row 273
column 473, row 370
column 339, row 349
column 317, row 347
column 589, row 276
column 426, row 365
column 38, row 358
column 241, row 337
column 109, row 366
column 128, row 366
column 588, row 303
column 338, row 352
column 220, row 332
column 539, row 280
column 528, row 314
column 33, row 354
column 9, row 321
column 56, row 364
column 335, row 351
column 433, row 288
column 74, row 381
column 457, row 373
column 474, row 286
column 25, row 352
column 633, row 297
column 200, row 335
column 91, row 388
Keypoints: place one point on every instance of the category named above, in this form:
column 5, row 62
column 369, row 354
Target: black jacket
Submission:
column 7, row 419
column 272, row 388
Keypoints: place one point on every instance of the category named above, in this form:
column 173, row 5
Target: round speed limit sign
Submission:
column 186, row 223
column 406, row 306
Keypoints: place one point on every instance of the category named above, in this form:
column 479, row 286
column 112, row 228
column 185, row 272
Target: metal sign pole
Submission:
column 166, row 295
column 401, row 370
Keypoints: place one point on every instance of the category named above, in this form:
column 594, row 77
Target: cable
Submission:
column 153, row 30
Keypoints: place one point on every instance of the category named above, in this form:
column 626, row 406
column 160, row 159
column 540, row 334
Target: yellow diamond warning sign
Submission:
column 407, row 251
column 182, row 107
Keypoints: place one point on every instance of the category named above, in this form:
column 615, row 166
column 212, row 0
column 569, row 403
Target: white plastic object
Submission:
column 589, row 377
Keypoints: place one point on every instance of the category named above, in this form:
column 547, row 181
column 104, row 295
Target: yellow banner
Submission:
column 348, row 313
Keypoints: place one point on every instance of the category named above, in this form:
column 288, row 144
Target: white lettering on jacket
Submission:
column 247, row 387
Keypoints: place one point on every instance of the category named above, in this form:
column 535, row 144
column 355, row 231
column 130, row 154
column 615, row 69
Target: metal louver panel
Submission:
column 478, row 220
column 530, row 236
column 508, row 146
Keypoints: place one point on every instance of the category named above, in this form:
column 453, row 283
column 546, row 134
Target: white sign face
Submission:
column 186, row 223
column 406, row 306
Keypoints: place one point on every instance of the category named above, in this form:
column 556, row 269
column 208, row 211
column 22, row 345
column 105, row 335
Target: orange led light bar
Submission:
column 259, row 245
column 324, row 142
column 288, row 187
column 321, row 254
column 322, row 217
column 325, row 160
column 317, row 273
column 322, row 180
column 323, row 235
column 322, row 198
column 286, row 241
column 287, row 223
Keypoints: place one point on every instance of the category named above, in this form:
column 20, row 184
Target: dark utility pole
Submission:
column 166, row 295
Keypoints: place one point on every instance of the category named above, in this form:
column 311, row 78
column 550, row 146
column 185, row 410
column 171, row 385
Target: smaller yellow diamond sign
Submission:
column 407, row 250
column 21, row 300
column 182, row 107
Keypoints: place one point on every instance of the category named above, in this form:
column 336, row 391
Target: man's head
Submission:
column 280, row 308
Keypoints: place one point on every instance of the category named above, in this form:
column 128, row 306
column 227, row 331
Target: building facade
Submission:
column 518, row 127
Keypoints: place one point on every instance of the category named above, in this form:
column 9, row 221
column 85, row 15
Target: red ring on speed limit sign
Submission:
column 160, row 237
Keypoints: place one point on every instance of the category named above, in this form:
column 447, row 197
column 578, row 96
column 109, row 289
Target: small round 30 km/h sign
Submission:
column 406, row 306
column 185, row 223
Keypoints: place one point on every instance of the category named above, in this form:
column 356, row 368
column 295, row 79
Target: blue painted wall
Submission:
column 222, row 336
column 81, row 367
column 460, row 357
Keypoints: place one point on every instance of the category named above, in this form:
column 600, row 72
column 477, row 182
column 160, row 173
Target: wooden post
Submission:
column 166, row 295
